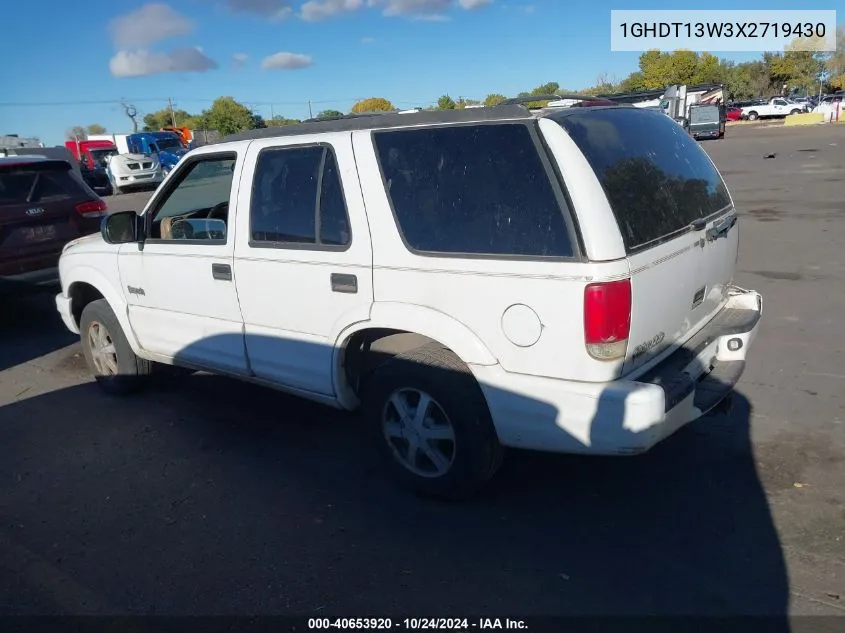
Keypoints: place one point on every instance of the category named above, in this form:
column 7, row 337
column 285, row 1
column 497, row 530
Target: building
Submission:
column 13, row 141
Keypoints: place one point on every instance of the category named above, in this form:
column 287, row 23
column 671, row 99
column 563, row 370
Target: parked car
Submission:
column 130, row 171
column 775, row 107
column 733, row 113
column 471, row 279
column 43, row 206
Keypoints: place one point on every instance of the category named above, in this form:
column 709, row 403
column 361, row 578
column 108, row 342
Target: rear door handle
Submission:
column 223, row 272
column 347, row 284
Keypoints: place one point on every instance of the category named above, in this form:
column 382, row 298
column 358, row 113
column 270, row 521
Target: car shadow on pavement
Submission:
column 206, row 495
column 30, row 327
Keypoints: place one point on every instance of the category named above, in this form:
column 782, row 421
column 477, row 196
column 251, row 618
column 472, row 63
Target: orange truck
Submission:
column 183, row 133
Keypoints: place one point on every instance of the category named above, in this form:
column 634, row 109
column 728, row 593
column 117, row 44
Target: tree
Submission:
column 154, row 121
column 77, row 131
column 373, row 104
column 227, row 116
column 446, row 103
column 494, row 99
column 278, row 121
column 96, row 128
column 835, row 62
column 326, row 114
column 461, row 103
column 549, row 88
column 797, row 69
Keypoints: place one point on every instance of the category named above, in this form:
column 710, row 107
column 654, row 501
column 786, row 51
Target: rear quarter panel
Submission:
column 477, row 292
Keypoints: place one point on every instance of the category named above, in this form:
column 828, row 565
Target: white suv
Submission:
column 470, row 279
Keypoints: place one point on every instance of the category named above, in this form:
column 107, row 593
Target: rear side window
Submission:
column 297, row 198
column 656, row 177
column 473, row 189
column 27, row 186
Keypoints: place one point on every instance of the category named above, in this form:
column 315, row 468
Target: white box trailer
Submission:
column 119, row 141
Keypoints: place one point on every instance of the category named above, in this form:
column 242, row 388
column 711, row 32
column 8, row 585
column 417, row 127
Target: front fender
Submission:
column 89, row 275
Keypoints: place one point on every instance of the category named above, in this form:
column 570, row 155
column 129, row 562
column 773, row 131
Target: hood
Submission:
column 94, row 240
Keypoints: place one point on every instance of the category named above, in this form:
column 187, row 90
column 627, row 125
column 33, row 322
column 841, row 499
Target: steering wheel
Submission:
column 219, row 211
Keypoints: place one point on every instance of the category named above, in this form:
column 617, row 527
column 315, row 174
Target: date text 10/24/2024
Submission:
column 457, row 625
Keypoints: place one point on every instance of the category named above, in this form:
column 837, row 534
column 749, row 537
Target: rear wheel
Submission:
column 107, row 352
column 430, row 423
column 796, row 111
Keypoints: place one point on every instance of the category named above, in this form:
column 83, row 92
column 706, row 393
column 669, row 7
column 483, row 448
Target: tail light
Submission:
column 607, row 319
column 92, row 209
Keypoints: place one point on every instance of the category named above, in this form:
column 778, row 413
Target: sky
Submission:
column 82, row 58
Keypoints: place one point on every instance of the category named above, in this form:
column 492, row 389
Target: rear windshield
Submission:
column 27, row 185
column 704, row 114
column 656, row 177
column 473, row 189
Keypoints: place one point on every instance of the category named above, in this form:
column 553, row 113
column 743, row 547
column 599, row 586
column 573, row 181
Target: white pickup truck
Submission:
column 776, row 107
column 470, row 279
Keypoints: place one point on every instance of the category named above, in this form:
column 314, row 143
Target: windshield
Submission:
column 99, row 155
column 168, row 144
column 704, row 115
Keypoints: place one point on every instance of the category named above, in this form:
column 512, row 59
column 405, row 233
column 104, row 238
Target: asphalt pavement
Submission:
column 203, row 495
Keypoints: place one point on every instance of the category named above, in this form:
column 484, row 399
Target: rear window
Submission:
column 704, row 114
column 473, row 189
column 26, row 186
column 656, row 177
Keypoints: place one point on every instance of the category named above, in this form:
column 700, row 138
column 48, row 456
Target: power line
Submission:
column 30, row 104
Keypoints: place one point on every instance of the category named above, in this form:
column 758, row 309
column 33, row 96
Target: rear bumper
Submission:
column 626, row 416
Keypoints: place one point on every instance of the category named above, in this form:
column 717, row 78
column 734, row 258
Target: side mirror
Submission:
column 122, row 227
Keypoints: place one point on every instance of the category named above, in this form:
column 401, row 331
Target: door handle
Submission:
column 347, row 284
column 223, row 272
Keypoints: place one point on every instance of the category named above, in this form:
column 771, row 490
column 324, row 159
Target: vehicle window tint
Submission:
column 29, row 186
column 473, row 189
column 334, row 222
column 289, row 195
column 704, row 114
column 657, row 179
column 202, row 191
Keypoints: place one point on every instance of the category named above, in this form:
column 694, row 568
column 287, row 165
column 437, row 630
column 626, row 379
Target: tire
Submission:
column 473, row 455
column 796, row 111
column 753, row 116
column 121, row 372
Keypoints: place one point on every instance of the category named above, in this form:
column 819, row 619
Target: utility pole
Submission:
column 172, row 115
column 310, row 114
column 272, row 114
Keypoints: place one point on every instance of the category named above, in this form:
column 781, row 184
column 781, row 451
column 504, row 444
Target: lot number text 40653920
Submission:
column 457, row 625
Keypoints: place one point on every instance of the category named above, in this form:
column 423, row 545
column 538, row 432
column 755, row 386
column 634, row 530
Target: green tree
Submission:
column 446, row 103
column 461, row 103
column 95, row 128
column 549, row 88
column 494, row 99
column 227, row 116
column 279, row 121
column 797, row 69
column 835, row 61
column 373, row 104
column 154, row 121
column 327, row 114
column 635, row 82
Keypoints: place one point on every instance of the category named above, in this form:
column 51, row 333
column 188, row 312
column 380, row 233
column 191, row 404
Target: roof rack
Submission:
column 380, row 120
column 533, row 98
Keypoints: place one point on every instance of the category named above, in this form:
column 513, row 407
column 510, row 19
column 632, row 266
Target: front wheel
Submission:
column 107, row 351
column 430, row 423
column 753, row 116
